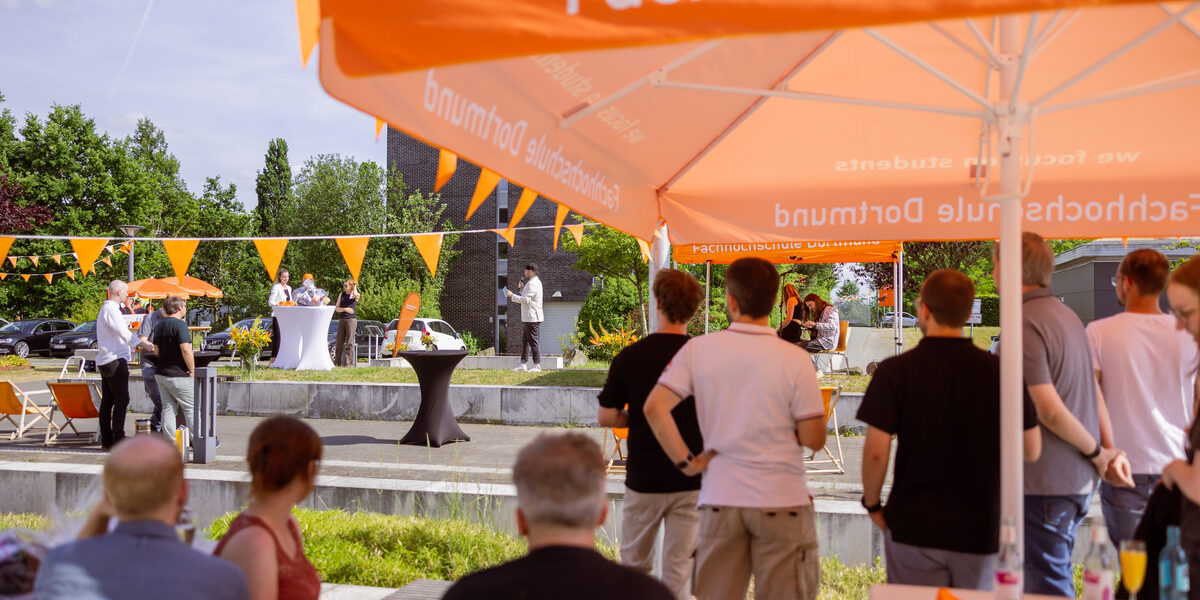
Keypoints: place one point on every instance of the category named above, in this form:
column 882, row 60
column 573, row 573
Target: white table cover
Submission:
column 304, row 338
column 917, row 592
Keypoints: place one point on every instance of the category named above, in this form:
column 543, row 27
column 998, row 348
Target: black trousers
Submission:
column 274, row 345
column 530, row 343
column 114, row 401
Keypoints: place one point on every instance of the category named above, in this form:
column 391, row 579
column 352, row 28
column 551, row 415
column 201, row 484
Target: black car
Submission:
column 222, row 342
column 366, row 333
column 32, row 335
column 81, row 338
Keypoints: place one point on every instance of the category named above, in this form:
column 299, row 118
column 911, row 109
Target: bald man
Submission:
column 142, row 557
column 114, row 339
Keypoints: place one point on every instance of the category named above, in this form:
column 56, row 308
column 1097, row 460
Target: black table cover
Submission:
column 435, row 424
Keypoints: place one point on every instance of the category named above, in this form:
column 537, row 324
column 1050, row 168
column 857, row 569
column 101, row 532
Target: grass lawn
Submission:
column 566, row 377
column 982, row 337
column 34, row 374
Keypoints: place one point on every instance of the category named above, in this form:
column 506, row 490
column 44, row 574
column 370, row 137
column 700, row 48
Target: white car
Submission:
column 906, row 320
column 445, row 335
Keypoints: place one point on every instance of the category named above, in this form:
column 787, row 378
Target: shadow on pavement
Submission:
column 354, row 440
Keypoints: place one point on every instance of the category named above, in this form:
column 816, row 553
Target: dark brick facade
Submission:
column 469, row 298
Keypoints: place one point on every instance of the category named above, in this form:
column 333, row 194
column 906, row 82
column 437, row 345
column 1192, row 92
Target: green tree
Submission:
column 8, row 135
column 613, row 255
column 923, row 258
column 848, row 289
column 273, row 187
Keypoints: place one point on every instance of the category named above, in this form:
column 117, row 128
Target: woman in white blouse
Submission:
column 280, row 292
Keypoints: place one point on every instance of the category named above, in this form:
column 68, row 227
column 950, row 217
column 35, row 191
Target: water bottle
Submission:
column 1098, row 567
column 1174, row 581
column 1008, row 563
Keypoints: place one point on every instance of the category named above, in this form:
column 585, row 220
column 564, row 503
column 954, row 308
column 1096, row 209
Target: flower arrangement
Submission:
column 12, row 360
column 610, row 343
column 428, row 341
column 391, row 347
column 248, row 342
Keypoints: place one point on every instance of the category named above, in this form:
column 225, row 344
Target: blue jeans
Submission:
column 1123, row 507
column 152, row 391
column 1051, row 523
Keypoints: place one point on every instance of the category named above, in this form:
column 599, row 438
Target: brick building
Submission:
column 473, row 297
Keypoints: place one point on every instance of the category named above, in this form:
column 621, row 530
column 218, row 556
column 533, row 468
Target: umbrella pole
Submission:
column 1009, row 127
column 898, row 302
column 707, row 281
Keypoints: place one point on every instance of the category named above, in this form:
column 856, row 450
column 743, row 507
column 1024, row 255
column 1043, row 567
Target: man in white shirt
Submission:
column 759, row 406
column 280, row 292
column 1145, row 369
column 532, row 316
column 113, row 338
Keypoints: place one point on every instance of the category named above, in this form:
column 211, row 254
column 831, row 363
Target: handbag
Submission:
column 1162, row 509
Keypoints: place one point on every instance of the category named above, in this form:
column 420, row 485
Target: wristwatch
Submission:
column 683, row 464
column 878, row 506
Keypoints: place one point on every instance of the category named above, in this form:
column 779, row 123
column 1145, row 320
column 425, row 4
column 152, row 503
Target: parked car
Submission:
column 221, row 341
column 31, row 335
column 445, row 335
column 906, row 320
column 80, row 338
column 363, row 335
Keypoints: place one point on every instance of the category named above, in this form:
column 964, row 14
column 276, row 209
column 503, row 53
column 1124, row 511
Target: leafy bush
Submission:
column 613, row 306
column 383, row 301
column 718, row 317
column 473, row 343
column 12, row 360
column 989, row 309
column 86, row 309
column 605, row 345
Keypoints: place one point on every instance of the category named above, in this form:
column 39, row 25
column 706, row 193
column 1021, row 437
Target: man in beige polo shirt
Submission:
column 759, row 405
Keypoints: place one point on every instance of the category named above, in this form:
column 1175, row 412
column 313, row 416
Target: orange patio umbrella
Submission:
column 156, row 289
column 194, row 286
column 775, row 121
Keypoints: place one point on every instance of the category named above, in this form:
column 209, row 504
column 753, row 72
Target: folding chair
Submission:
column 80, row 355
column 839, row 351
column 14, row 402
column 74, row 401
column 830, row 395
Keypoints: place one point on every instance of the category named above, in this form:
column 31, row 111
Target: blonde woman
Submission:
column 344, row 353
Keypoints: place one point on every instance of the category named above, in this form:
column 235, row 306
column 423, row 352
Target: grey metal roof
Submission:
column 1113, row 250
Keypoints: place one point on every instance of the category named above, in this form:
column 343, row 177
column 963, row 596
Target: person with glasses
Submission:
column 1150, row 406
column 175, row 365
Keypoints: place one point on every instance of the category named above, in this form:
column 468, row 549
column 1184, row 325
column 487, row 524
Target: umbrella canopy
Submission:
column 156, row 289
column 195, row 287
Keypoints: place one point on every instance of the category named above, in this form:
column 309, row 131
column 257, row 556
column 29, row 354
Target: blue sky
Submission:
column 220, row 78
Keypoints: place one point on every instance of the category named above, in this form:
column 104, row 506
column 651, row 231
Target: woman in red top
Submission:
column 264, row 540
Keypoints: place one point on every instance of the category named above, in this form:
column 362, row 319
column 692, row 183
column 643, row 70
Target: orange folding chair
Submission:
column 14, row 402
column 829, row 395
column 618, row 454
column 74, row 401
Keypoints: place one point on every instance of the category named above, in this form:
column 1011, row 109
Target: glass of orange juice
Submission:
column 1133, row 565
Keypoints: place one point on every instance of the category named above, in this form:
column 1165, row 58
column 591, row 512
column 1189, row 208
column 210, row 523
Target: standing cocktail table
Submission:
column 435, row 424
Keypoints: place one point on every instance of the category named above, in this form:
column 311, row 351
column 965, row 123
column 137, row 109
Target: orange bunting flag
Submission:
column 5, row 244
column 508, row 234
column 412, row 304
column 379, row 123
column 25, row 276
column 645, row 248
column 488, row 180
column 447, row 164
column 87, row 251
column 945, row 594
column 353, row 251
column 527, row 198
column 13, row 260
column 271, row 250
column 34, row 260
column 430, row 247
column 308, row 15
column 49, row 277
column 57, row 258
column 107, row 260
column 71, row 274
column 110, row 249
column 127, row 247
column 576, row 232
column 1125, row 241
column 180, row 253
column 3, row 276
column 558, row 222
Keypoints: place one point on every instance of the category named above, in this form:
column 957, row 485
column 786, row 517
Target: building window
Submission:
column 502, row 250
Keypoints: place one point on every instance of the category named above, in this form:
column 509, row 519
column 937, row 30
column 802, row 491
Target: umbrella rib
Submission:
column 932, row 70
column 573, row 115
column 1012, row 105
column 750, row 110
column 1185, row 24
column 957, row 42
column 1159, row 85
column 1048, row 36
column 958, row 112
column 991, row 50
column 1116, row 54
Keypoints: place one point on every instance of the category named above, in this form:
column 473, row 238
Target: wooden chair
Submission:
column 829, row 395
column 839, row 351
column 74, row 401
column 14, row 402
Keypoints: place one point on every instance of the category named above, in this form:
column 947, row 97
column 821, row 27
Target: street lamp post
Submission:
column 130, row 231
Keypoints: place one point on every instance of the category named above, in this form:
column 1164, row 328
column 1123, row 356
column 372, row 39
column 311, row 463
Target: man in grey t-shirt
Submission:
column 148, row 371
column 1077, row 440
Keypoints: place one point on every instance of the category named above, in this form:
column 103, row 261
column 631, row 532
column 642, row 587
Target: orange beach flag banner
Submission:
column 412, row 304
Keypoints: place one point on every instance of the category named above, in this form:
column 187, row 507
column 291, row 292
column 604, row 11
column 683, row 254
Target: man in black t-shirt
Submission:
column 656, row 491
column 174, row 365
column 561, row 501
column 942, row 402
